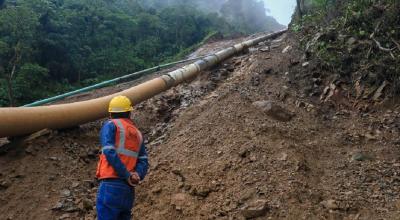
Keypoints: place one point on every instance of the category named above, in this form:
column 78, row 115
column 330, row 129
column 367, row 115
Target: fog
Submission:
column 247, row 16
column 281, row 10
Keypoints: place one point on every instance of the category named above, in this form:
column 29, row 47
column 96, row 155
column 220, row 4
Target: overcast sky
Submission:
column 281, row 10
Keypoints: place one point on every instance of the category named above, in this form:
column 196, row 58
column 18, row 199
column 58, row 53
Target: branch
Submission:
column 375, row 29
column 395, row 42
column 13, row 71
column 15, row 60
column 382, row 48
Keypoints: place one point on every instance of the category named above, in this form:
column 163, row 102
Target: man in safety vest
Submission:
column 123, row 162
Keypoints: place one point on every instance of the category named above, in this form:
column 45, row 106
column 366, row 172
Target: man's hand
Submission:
column 134, row 179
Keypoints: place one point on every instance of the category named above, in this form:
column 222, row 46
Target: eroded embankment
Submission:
column 240, row 133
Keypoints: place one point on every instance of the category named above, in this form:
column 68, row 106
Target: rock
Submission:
column 65, row 216
column 330, row 204
column 87, row 204
column 370, row 136
column 230, row 68
column 179, row 174
column 53, row 158
column 283, row 96
column 274, row 111
column 18, row 176
column 180, row 200
column 70, row 209
column 252, row 50
column 202, row 191
column 266, row 71
column 156, row 190
column 300, row 104
column 310, row 107
column 283, row 157
column 351, row 41
column 65, row 193
column 92, row 154
column 90, row 216
column 5, row 184
column 58, row 206
column 287, row 49
column 255, row 80
column 359, row 156
column 75, row 184
column 255, row 209
column 265, row 49
column 30, row 150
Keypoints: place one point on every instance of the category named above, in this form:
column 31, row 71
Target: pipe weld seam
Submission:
column 168, row 80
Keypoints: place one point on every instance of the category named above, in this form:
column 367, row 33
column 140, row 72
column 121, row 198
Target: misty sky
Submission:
column 281, row 10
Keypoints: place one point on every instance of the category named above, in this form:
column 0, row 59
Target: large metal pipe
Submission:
column 25, row 120
column 131, row 76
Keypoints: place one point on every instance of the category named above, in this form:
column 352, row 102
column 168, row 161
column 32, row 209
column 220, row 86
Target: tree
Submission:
column 72, row 43
column 17, row 26
column 29, row 77
column 300, row 4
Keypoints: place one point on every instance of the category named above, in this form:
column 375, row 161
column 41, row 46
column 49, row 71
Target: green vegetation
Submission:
column 357, row 40
column 51, row 46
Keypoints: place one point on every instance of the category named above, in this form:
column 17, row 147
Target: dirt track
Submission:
column 214, row 150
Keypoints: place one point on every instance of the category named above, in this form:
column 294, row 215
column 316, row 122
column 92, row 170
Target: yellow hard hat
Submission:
column 120, row 104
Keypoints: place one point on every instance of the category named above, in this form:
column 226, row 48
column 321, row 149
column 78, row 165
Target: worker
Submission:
column 123, row 162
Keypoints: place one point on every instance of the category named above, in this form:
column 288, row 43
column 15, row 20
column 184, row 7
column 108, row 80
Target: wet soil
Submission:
column 214, row 151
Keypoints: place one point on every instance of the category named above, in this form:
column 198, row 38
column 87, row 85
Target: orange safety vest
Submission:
column 128, row 140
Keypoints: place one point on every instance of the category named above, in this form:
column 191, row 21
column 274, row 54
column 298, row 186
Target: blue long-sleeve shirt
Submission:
column 107, row 139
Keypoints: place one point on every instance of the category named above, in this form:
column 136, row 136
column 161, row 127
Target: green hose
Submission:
column 131, row 76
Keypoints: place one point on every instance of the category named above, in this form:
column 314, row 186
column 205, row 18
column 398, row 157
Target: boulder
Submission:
column 274, row 111
column 254, row 209
column 330, row 204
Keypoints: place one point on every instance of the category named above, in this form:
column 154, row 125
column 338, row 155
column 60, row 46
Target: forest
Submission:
column 52, row 46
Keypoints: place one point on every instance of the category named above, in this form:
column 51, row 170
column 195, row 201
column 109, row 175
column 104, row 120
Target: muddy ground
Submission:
column 247, row 139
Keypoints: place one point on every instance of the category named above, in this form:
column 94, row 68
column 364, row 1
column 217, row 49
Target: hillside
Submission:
column 215, row 148
column 305, row 126
column 50, row 47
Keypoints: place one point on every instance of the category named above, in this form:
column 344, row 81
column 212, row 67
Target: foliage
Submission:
column 17, row 31
column 30, row 76
column 51, row 46
column 358, row 40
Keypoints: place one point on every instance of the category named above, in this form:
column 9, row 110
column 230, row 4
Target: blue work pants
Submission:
column 115, row 200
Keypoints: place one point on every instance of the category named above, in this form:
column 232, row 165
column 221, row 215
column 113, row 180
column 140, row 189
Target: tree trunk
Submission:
column 10, row 92
column 79, row 76
column 10, row 88
column 300, row 8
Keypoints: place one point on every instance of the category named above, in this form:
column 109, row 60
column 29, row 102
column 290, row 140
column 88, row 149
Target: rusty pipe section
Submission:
column 26, row 120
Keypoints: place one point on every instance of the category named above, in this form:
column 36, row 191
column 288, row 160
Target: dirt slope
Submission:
column 215, row 148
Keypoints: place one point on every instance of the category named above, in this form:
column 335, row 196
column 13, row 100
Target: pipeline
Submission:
column 26, row 120
column 131, row 76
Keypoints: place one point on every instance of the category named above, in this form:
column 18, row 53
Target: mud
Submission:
column 214, row 153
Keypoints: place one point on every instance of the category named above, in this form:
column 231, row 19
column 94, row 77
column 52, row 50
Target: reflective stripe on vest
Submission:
column 107, row 148
column 121, row 145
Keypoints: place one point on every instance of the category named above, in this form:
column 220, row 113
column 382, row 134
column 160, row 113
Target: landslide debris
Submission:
column 215, row 154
